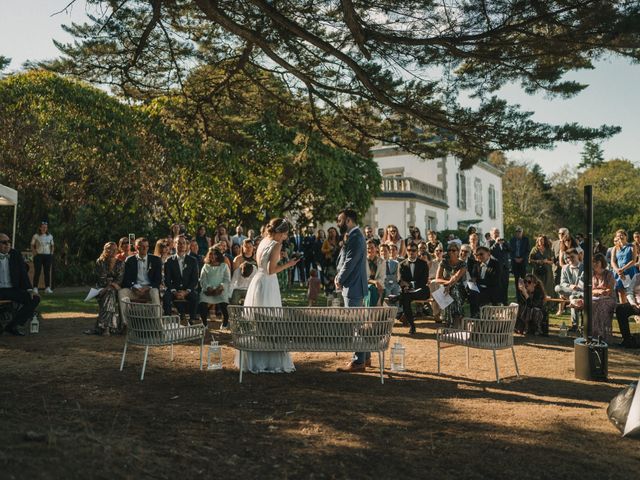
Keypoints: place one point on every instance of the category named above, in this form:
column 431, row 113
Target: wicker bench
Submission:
column 492, row 331
column 149, row 328
column 312, row 329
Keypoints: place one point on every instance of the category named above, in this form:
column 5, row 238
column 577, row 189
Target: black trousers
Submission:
column 191, row 303
column 204, row 312
column 623, row 312
column 42, row 262
column 406, row 298
column 27, row 305
column 477, row 300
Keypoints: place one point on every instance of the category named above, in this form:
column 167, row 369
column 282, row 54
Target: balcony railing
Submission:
column 413, row 185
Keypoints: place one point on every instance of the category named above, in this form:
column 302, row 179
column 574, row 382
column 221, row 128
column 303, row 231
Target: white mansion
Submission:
column 434, row 194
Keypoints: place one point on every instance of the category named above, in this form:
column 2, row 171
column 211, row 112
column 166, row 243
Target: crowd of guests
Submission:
column 199, row 272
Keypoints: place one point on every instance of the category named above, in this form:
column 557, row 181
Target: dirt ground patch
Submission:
column 92, row 421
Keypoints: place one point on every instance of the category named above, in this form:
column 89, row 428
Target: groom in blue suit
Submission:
column 352, row 275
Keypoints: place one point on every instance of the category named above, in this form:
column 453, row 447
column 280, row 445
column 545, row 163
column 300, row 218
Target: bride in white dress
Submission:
column 264, row 291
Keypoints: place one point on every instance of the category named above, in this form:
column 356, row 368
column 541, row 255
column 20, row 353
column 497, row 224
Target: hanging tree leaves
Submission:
column 410, row 62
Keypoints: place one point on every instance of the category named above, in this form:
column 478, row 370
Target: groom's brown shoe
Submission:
column 352, row 367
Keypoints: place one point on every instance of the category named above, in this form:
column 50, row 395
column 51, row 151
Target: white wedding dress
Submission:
column 264, row 291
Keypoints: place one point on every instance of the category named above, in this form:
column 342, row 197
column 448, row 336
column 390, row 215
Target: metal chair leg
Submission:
column 144, row 364
column 201, row 347
column 241, row 353
column 381, row 362
column 467, row 357
column 495, row 362
column 124, row 354
column 438, row 357
column 513, row 352
column 172, row 352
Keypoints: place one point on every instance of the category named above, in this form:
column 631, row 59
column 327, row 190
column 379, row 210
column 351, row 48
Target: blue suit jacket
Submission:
column 352, row 266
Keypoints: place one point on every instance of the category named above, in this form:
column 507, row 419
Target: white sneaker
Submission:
column 48, row 290
column 35, row 290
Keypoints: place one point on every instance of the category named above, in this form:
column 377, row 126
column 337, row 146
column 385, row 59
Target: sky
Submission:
column 28, row 27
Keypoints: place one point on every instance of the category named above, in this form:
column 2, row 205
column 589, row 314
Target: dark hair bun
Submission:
column 277, row 225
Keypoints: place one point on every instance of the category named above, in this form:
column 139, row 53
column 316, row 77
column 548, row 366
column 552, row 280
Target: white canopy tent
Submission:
column 9, row 198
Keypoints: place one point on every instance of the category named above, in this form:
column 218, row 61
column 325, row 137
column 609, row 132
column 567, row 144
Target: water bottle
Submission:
column 563, row 329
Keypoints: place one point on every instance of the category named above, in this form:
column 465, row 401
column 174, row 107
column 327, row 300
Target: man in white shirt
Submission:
column 142, row 275
column 15, row 286
column 571, row 283
column 239, row 237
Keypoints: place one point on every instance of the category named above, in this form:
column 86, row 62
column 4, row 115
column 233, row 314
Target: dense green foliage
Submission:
column 407, row 64
column 541, row 205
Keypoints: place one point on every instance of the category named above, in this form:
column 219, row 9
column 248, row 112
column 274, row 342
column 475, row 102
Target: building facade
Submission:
column 434, row 194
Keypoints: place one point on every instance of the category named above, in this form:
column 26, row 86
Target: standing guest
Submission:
column 433, row 284
column 433, row 243
column 215, row 284
column 368, row 235
column 313, row 289
column 451, row 275
column 308, row 244
column 415, row 236
column 466, row 255
column 623, row 263
column 541, row 258
column 239, row 237
column 604, row 301
column 330, row 248
column 487, row 239
column 15, row 286
column 297, row 243
column 235, row 251
column 351, row 275
column 171, row 245
column 598, row 247
column 221, row 235
column 42, row 247
column 471, row 230
column 194, row 248
column 245, row 255
column 636, row 245
column 181, row 282
column 376, row 270
column 572, row 284
column 623, row 312
column 414, row 281
column 108, row 272
column 580, row 240
column 474, row 242
column 318, row 256
column 174, row 230
column 485, row 273
column 380, row 233
column 142, row 275
column 124, row 249
column 520, row 249
column 566, row 242
column 251, row 235
column 500, row 251
column 391, row 235
column 392, row 272
column 203, row 241
column 532, row 316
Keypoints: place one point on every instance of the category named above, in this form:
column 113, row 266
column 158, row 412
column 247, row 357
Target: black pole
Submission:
column 588, row 261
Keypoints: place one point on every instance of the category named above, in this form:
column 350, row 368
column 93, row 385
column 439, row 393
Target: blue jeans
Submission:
column 359, row 357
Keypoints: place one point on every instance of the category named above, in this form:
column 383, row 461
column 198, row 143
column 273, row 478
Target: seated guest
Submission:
column 222, row 248
column 16, row 286
column 466, row 255
column 376, row 271
column 392, row 272
column 214, row 283
column 162, row 249
column 245, row 255
column 604, row 301
column 623, row 312
column 414, row 276
column 240, row 280
column 181, row 281
column 423, row 252
column 142, row 275
column 532, row 316
column 571, row 286
column 108, row 272
column 124, row 249
column 451, row 275
column 194, row 248
column 432, row 243
column 486, row 275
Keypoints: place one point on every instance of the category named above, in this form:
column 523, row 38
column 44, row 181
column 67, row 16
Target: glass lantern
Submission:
column 336, row 302
column 397, row 358
column 214, row 356
column 34, row 326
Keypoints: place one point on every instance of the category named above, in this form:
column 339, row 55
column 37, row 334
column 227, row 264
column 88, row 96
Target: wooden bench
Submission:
column 492, row 331
column 149, row 328
column 312, row 329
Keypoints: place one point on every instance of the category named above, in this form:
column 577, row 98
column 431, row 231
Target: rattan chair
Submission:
column 149, row 328
column 492, row 331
